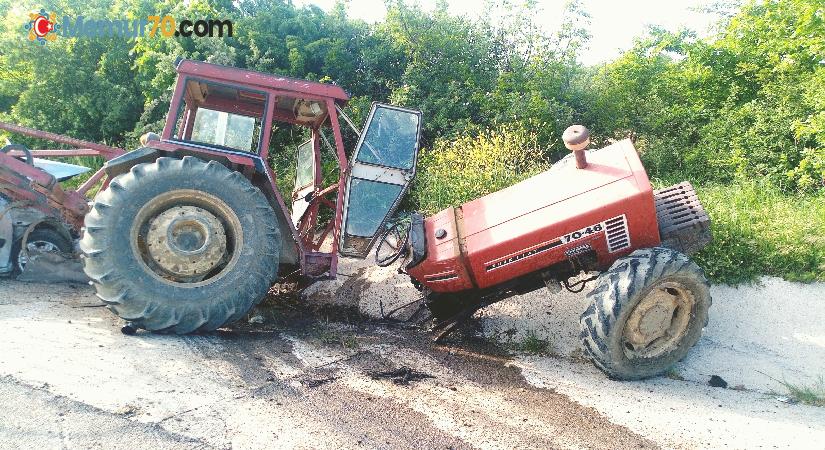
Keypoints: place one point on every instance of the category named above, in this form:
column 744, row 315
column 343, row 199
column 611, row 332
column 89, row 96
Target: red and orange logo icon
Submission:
column 42, row 26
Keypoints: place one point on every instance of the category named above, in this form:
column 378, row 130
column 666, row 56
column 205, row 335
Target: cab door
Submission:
column 382, row 167
column 304, row 180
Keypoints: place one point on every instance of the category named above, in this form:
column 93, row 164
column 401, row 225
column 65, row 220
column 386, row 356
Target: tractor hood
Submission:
column 561, row 182
column 529, row 225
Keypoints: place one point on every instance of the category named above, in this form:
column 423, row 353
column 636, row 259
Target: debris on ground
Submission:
column 315, row 382
column 53, row 267
column 257, row 319
column 717, row 381
column 402, row 376
column 788, row 400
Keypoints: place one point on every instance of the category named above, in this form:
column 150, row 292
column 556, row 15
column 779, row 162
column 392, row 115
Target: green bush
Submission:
column 458, row 170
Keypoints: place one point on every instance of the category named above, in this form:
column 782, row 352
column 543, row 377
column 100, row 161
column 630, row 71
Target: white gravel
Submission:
column 757, row 336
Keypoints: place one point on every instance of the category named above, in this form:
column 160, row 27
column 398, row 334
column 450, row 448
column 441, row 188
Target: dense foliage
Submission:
column 745, row 104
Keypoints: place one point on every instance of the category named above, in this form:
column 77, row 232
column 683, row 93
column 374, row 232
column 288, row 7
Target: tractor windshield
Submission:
column 390, row 139
column 220, row 115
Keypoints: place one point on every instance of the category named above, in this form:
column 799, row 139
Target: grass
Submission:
column 810, row 395
column 461, row 169
column 329, row 336
column 534, row 345
column 758, row 230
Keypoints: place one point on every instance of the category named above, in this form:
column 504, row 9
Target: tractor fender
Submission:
column 123, row 163
column 290, row 253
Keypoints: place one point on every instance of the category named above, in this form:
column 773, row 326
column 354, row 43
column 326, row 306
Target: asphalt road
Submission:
column 302, row 379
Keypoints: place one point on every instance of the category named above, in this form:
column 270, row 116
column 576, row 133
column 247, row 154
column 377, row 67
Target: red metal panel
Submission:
column 526, row 227
column 342, row 183
column 444, row 269
column 547, row 188
column 549, row 224
column 37, row 189
column 174, row 105
column 267, row 131
column 249, row 77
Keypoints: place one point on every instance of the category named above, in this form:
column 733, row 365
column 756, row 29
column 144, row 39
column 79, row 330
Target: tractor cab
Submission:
column 228, row 114
column 193, row 231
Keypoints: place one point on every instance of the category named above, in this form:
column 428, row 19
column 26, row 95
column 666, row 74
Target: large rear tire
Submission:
column 647, row 311
column 181, row 245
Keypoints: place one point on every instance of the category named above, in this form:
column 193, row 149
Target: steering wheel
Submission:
column 22, row 148
column 392, row 244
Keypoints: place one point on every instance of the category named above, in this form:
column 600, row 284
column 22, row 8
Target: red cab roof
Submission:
column 261, row 79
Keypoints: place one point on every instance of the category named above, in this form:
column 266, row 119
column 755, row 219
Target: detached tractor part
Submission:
column 597, row 212
column 39, row 220
column 191, row 231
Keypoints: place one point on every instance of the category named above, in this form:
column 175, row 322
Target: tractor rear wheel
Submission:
column 647, row 311
column 181, row 245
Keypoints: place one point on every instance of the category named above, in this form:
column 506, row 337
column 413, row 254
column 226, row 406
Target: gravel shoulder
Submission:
column 310, row 375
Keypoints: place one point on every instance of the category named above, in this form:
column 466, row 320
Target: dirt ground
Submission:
column 323, row 372
column 71, row 379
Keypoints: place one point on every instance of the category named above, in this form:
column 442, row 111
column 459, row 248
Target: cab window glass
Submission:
column 221, row 116
column 391, row 139
column 306, row 162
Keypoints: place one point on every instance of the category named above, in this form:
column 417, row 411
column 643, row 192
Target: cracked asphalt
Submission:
column 305, row 378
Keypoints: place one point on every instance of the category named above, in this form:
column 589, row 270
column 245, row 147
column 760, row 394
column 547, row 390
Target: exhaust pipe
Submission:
column 576, row 138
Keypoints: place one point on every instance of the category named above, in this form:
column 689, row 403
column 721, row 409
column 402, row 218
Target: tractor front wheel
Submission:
column 181, row 245
column 647, row 311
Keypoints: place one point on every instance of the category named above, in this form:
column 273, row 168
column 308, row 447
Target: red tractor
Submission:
column 650, row 302
column 189, row 231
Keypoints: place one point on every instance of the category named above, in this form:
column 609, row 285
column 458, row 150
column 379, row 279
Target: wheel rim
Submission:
column 659, row 322
column 187, row 237
column 34, row 246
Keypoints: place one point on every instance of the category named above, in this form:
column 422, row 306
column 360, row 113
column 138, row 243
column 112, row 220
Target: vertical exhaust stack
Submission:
column 576, row 138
